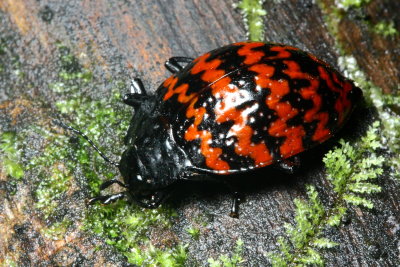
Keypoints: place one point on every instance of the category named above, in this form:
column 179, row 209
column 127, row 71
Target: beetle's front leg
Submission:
column 137, row 87
column 107, row 199
column 137, row 94
column 175, row 64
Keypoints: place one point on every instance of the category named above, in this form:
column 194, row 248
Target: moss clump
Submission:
column 51, row 188
column 253, row 13
column 350, row 169
column 68, row 160
column 386, row 29
column 11, row 155
column 386, row 105
column 234, row 260
column 70, row 66
column 57, row 230
column 126, row 228
column 194, row 233
column 346, row 4
column 9, row 262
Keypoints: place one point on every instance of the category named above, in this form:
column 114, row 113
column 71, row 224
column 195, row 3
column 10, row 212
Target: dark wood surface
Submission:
column 120, row 39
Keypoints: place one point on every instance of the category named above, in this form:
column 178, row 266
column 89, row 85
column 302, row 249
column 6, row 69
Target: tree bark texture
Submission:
column 117, row 40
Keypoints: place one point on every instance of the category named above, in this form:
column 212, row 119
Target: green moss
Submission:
column 11, row 155
column 194, row 232
column 8, row 262
column 350, row 169
column 253, row 13
column 233, row 261
column 126, row 228
column 386, row 29
column 386, row 105
column 57, row 230
column 346, row 4
column 336, row 13
column 121, row 225
column 51, row 188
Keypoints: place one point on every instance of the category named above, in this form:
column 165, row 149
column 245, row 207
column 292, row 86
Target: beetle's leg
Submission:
column 107, row 199
column 134, row 100
column 137, row 94
column 175, row 64
column 111, row 182
column 290, row 165
column 235, row 205
column 137, row 87
column 232, row 185
column 237, row 197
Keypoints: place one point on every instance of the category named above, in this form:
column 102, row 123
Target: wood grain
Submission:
column 120, row 39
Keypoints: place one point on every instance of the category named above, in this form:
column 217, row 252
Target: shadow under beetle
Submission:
column 240, row 107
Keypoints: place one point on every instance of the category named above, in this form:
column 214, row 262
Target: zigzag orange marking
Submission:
column 181, row 90
column 225, row 111
column 293, row 142
column 342, row 104
column 310, row 93
column 248, row 52
column 211, row 154
column 211, row 73
column 283, row 52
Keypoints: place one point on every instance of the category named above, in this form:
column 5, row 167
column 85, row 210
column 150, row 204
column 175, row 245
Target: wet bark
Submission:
column 121, row 39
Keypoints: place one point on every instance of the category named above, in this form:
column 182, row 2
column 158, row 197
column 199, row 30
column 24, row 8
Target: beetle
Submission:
column 237, row 108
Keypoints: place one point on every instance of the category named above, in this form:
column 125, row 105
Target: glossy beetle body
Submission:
column 237, row 108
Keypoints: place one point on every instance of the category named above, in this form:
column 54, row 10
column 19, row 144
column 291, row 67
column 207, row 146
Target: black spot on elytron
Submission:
column 297, row 101
column 230, row 60
column 310, row 130
column 305, row 62
column 329, row 98
column 279, row 67
column 268, row 53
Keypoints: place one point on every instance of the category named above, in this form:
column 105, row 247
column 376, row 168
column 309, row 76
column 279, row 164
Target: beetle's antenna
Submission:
column 65, row 126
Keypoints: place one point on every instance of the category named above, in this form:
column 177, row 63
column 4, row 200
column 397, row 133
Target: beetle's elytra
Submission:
column 239, row 107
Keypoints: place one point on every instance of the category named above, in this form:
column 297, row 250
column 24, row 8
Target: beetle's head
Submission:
column 135, row 174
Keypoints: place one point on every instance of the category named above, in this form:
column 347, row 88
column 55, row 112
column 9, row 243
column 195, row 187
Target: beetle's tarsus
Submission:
column 136, row 95
column 108, row 199
column 137, row 87
column 174, row 64
column 235, row 205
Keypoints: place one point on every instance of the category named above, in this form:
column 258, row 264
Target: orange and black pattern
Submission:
column 247, row 105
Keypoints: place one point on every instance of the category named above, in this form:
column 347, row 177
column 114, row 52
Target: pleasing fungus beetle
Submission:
column 239, row 107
